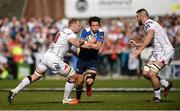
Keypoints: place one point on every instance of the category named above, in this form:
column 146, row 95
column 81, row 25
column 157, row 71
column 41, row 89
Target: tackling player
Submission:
column 87, row 59
column 53, row 58
column 161, row 56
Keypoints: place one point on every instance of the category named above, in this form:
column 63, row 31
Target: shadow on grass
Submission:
column 92, row 101
column 59, row 102
column 162, row 101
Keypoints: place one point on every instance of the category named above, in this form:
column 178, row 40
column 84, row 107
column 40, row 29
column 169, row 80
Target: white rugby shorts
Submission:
column 55, row 64
column 164, row 57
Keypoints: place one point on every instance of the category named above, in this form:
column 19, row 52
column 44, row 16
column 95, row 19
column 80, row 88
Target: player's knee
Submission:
column 146, row 71
column 80, row 82
column 71, row 80
column 69, row 72
column 79, row 79
column 145, row 74
column 38, row 73
column 152, row 75
column 79, row 87
column 90, row 74
column 36, row 76
column 90, row 78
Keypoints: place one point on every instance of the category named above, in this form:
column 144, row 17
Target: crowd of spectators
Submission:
column 116, row 53
column 23, row 41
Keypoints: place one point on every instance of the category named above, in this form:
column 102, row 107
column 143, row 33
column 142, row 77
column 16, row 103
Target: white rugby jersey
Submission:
column 61, row 46
column 161, row 42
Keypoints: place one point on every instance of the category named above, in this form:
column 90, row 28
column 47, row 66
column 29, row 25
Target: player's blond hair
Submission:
column 73, row 21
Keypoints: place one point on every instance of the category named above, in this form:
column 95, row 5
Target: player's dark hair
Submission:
column 143, row 10
column 94, row 19
column 72, row 21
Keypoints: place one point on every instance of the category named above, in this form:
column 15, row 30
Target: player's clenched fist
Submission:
column 132, row 43
column 81, row 42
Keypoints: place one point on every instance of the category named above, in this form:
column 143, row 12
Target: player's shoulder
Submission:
column 87, row 29
column 149, row 24
column 67, row 31
column 101, row 30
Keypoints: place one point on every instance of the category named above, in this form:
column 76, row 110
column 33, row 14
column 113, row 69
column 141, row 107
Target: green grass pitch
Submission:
column 51, row 100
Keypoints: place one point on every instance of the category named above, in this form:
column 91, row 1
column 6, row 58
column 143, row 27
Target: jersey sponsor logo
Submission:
column 89, row 38
column 56, row 65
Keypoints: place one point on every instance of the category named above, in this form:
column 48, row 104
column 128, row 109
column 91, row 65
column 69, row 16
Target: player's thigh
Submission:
column 163, row 58
column 168, row 56
column 91, row 69
column 81, row 67
column 61, row 68
column 156, row 67
column 65, row 70
column 41, row 67
column 147, row 68
column 40, row 70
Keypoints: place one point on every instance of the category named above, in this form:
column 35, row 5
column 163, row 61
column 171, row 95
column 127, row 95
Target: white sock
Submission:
column 164, row 82
column 157, row 93
column 21, row 85
column 68, row 88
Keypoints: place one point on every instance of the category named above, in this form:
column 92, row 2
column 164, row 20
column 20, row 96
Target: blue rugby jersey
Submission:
column 90, row 54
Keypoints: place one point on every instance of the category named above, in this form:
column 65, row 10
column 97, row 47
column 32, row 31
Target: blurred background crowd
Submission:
column 23, row 39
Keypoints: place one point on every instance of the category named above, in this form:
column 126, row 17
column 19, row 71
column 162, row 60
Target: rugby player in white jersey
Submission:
column 161, row 56
column 53, row 58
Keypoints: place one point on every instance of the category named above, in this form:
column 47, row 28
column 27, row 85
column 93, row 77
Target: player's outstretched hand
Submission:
column 132, row 43
column 81, row 42
column 87, row 45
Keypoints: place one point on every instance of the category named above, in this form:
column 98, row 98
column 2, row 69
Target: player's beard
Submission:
column 77, row 31
column 140, row 23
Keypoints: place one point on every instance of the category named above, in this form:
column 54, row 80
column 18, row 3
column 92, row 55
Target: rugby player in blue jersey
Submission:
column 87, row 60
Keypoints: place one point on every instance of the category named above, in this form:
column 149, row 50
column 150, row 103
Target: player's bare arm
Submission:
column 96, row 46
column 133, row 43
column 89, row 45
column 147, row 40
column 86, row 45
column 76, row 42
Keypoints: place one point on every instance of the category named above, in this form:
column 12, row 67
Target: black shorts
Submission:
column 83, row 65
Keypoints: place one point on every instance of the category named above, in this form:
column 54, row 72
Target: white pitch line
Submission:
column 96, row 89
